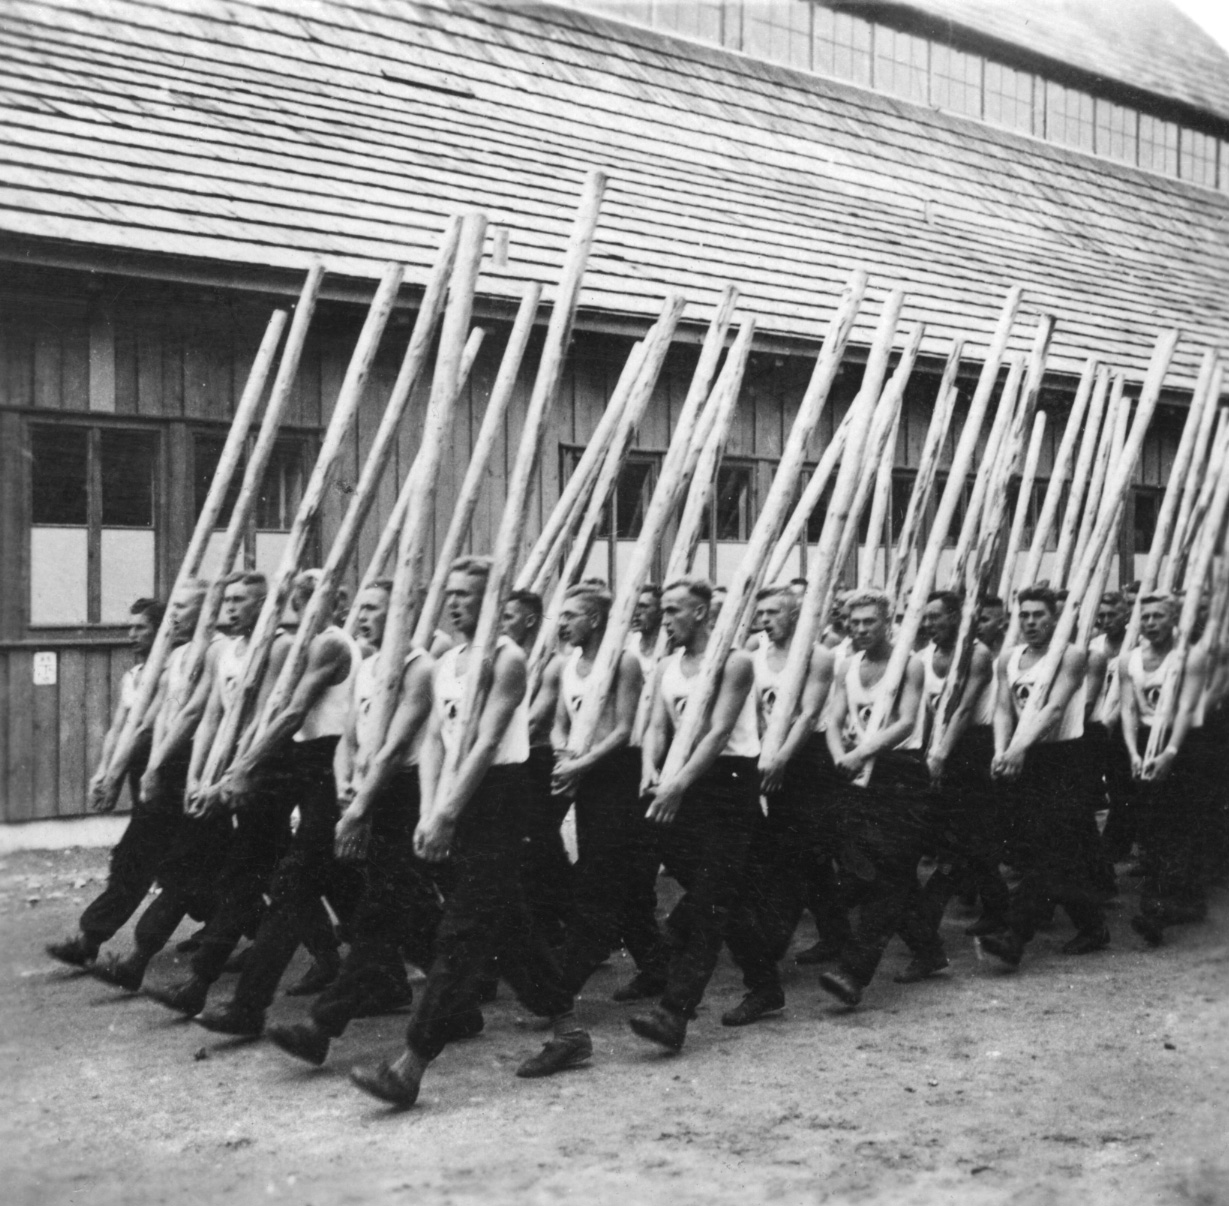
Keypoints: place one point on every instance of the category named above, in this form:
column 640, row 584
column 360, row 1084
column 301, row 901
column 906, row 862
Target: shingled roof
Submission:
column 1147, row 44
column 259, row 134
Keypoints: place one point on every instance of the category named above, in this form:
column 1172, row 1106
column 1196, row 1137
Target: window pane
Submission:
column 59, row 570
column 1009, row 97
column 1147, row 509
column 1158, row 145
column 127, row 479
column 1224, row 166
column 732, row 502
column 1116, row 131
column 901, row 64
column 955, row 80
column 282, row 488
column 694, row 19
column 1198, row 158
column 1069, row 117
column 779, row 30
column 632, row 493
column 127, row 560
column 206, row 452
column 842, row 46
column 59, row 472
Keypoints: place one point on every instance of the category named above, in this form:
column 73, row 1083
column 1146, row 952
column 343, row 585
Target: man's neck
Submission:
column 880, row 651
column 588, row 650
column 1163, row 646
column 648, row 637
column 698, row 643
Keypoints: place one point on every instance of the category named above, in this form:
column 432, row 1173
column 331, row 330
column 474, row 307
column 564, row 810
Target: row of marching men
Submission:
column 464, row 874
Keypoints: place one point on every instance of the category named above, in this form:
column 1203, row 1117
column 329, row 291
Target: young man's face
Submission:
column 185, row 611
column 647, row 616
column 1156, row 622
column 868, row 626
column 991, row 624
column 1036, row 622
column 141, row 633
column 577, row 622
column 682, row 614
column 940, row 625
column 1111, row 619
column 463, row 601
column 372, row 615
column 517, row 622
column 779, row 619
column 241, row 606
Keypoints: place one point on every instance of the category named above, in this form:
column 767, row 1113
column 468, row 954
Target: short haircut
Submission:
column 1133, row 586
column 530, row 600
column 767, row 592
column 247, row 578
column 152, row 609
column 1113, row 598
column 869, row 598
column 798, row 582
column 1167, row 601
column 1039, row 594
column 305, row 583
column 595, row 583
column 596, row 600
column 651, row 588
column 198, row 586
column 474, row 566
column 990, row 601
column 695, row 586
column 949, row 598
column 384, row 584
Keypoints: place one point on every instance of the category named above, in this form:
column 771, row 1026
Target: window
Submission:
column 902, row 64
column 92, row 542
column 1069, row 117
column 902, row 491
column 1117, row 131
column 1158, row 145
column 632, row 493
column 779, row 30
column 1198, row 159
column 1223, row 184
column 842, row 46
column 700, row 19
column 955, row 80
column 1008, row 97
column 276, row 503
column 962, row 506
column 1147, row 510
column 730, row 512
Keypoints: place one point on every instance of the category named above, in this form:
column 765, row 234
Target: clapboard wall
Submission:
column 76, row 348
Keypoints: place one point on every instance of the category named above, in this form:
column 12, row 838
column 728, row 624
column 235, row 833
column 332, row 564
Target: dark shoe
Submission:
column 821, row 952
column 640, row 988
column 1004, row 946
column 123, row 973
column 842, row 986
column 191, row 943
column 563, row 1051
column 752, row 1007
column 187, row 997
column 984, row 925
column 237, row 962
column 660, row 1025
column 465, row 1025
column 235, row 1020
column 386, row 1001
column 1149, row 929
column 76, row 951
column 1087, row 941
column 316, row 979
column 303, row 1040
column 922, row 969
column 381, row 1081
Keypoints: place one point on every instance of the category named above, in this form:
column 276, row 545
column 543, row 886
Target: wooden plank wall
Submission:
column 181, row 356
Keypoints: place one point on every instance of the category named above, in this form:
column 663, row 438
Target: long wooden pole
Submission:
column 1023, row 504
column 1081, row 478
column 261, row 639
column 927, row 473
column 511, row 532
column 479, row 459
column 1105, row 451
column 1119, row 483
column 390, row 534
column 1185, row 542
column 876, row 537
column 107, row 793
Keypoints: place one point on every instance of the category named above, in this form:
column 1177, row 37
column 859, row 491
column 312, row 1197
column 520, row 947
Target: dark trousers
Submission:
column 1051, row 839
column 399, row 909
column 546, row 870
column 781, row 865
column 705, row 849
column 261, row 836
column 611, row 904
column 882, row 830
column 486, row 915
column 1114, row 764
column 305, row 873
column 134, row 861
column 1173, row 828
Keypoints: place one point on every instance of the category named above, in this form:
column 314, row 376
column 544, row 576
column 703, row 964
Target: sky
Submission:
column 1213, row 15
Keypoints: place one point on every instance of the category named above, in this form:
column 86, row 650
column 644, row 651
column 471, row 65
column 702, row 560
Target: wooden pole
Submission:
column 516, row 509
column 928, row 467
column 656, row 346
column 721, row 403
column 1186, row 542
column 390, row 534
column 1105, row 451
column 880, row 509
column 232, row 453
column 1081, row 479
column 1119, row 483
column 1023, row 504
column 261, row 639
column 479, row 459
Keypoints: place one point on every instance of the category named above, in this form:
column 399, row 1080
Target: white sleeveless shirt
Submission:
column 744, row 740
column 364, row 690
column 449, row 688
column 573, row 690
column 767, row 682
column 128, row 685
column 644, row 706
column 328, row 715
column 1021, row 683
column 860, row 703
column 229, row 667
column 1146, row 685
column 1109, row 703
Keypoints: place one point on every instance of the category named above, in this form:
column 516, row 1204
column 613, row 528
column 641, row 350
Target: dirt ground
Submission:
column 1103, row 1079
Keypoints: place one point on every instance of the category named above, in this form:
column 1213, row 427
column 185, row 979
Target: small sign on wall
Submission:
column 45, row 668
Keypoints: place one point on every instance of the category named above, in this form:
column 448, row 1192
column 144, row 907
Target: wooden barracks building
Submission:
column 171, row 167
